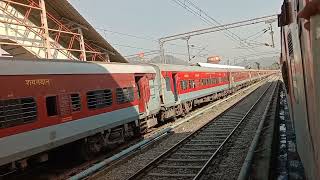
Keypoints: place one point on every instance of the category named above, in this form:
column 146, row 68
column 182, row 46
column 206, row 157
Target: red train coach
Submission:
column 46, row 104
column 186, row 86
column 299, row 21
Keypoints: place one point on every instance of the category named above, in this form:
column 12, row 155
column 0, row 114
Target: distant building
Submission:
column 214, row 59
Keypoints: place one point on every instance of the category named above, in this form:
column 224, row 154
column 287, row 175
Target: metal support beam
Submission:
column 52, row 31
column 72, row 23
column 83, row 55
column 162, row 57
column 56, row 48
column 271, row 31
column 107, row 57
column 35, row 27
column 21, row 4
column 211, row 30
column 272, row 36
column 188, row 47
column 44, row 22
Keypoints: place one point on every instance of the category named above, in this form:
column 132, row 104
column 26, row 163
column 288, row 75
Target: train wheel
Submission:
column 137, row 131
column 91, row 147
column 143, row 126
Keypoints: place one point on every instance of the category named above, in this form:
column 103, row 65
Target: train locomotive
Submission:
column 45, row 104
column 300, row 21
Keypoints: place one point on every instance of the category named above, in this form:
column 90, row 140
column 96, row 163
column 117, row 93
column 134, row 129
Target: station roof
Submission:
column 65, row 13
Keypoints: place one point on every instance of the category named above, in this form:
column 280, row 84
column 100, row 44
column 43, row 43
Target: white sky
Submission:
column 152, row 19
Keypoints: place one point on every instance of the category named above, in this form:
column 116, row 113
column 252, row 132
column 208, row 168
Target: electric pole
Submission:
column 162, row 56
column 187, row 39
column 272, row 35
column 265, row 19
column 271, row 31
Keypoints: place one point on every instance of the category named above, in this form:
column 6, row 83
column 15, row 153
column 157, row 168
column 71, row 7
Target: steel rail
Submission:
column 245, row 169
column 216, row 152
column 93, row 169
column 155, row 162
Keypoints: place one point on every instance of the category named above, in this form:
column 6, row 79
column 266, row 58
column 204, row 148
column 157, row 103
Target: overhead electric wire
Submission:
column 126, row 34
column 215, row 22
column 205, row 19
column 154, row 52
column 255, row 35
column 246, row 62
column 246, row 45
column 147, row 38
column 132, row 47
column 192, row 11
column 253, row 55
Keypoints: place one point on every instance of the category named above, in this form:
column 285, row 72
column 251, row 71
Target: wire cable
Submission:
column 210, row 21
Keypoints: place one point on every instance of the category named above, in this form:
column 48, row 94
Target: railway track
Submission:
column 56, row 173
column 95, row 171
column 190, row 158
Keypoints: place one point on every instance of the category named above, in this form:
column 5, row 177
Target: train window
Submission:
column 290, row 45
column 168, row 85
column 192, row 84
column 75, row 102
column 125, row 95
column 99, row 99
column 184, row 85
column 204, row 81
column 214, row 81
column 15, row 112
column 51, row 103
column 225, row 79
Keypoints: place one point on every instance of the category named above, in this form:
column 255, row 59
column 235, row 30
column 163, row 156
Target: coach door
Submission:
column 175, row 87
column 142, row 88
